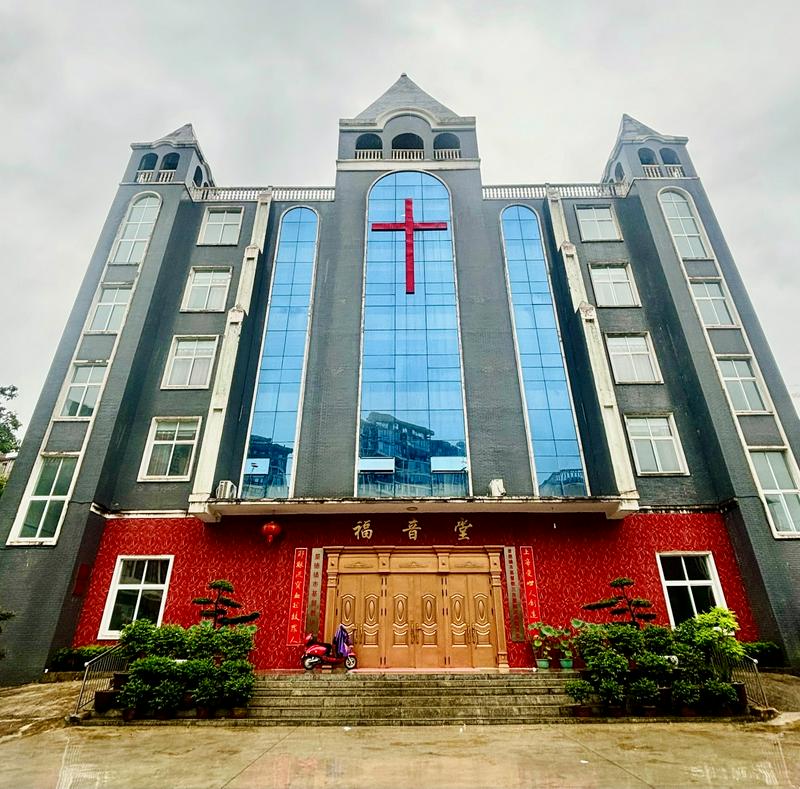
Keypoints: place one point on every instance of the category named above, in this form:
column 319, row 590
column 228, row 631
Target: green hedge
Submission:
column 74, row 658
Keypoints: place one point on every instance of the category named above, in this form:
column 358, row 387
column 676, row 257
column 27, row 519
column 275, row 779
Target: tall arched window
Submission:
column 269, row 463
column 551, row 418
column 134, row 235
column 646, row 156
column 148, row 162
column 683, row 225
column 412, row 428
column 619, row 173
column 170, row 161
column 198, row 176
column 668, row 156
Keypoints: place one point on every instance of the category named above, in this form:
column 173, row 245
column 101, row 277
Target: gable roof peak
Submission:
column 405, row 94
column 631, row 129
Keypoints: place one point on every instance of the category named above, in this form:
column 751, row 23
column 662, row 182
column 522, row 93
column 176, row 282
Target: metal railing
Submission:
column 744, row 670
column 98, row 673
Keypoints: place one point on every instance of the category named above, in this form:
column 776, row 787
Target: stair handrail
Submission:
column 97, row 670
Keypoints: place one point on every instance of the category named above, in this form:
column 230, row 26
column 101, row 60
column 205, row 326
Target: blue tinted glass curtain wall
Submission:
column 268, row 465
column 412, row 437
column 556, row 451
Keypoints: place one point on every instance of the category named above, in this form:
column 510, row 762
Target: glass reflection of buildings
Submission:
column 266, row 473
column 423, row 465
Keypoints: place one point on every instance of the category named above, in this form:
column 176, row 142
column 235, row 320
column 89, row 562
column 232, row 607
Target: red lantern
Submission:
column 270, row 530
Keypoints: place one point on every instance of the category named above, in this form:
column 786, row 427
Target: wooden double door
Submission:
column 413, row 608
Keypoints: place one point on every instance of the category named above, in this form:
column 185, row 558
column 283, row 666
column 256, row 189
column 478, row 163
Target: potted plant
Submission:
column 580, row 691
column 718, row 697
column 541, row 637
column 686, row 697
column 166, row 698
column 134, row 698
column 206, row 697
column 612, row 694
column 238, row 682
column 644, row 695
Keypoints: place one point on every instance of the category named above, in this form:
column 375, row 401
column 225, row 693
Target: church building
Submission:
column 430, row 409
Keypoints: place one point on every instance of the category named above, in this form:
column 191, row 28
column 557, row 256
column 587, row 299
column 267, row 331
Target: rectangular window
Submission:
column 49, row 498
column 613, row 286
column 779, row 488
column 109, row 311
column 597, row 223
column 170, row 449
column 190, row 362
column 138, row 591
column 690, row 585
column 207, row 290
column 655, row 445
column 741, row 383
column 84, row 390
column 712, row 304
column 221, row 226
column 632, row 359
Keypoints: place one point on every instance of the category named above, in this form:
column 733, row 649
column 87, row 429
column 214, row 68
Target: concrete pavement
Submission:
column 569, row 755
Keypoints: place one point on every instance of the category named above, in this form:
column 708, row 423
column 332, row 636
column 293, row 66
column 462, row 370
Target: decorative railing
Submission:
column 98, row 673
column 150, row 176
column 667, row 171
column 369, row 154
column 145, row 176
column 744, row 670
column 539, row 191
column 407, row 153
column 238, row 194
column 166, row 177
column 447, row 153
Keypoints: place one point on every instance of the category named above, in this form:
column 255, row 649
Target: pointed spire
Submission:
column 184, row 135
column 405, row 94
column 631, row 129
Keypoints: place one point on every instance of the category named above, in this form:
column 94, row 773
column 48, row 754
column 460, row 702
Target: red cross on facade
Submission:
column 408, row 227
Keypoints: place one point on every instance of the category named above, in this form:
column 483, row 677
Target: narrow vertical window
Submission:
column 683, row 225
column 412, row 428
column 49, row 498
column 84, row 389
column 269, row 462
column 742, row 386
column 554, row 435
column 110, row 309
column 780, row 490
column 712, row 304
column 134, row 236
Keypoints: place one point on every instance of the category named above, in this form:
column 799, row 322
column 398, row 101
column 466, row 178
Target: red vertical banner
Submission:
column 297, row 593
column 530, row 589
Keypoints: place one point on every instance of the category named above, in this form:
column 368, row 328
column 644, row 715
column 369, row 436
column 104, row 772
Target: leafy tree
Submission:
column 622, row 604
column 9, row 422
column 221, row 604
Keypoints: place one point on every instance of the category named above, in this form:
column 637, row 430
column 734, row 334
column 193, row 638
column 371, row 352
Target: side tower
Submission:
column 741, row 406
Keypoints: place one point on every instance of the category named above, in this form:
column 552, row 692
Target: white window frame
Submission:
column 217, row 209
column 176, row 340
column 756, row 378
column 793, row 473
column 629, row 276
column 190, row 282
column 14, row 537
column 610, row 208
column 68, row 384
column 716, row 586
column 704, row 242
column 683, row 470
column 98, row 301
column 107, row 634
column 148, row 449
column 126, row 221
column 651, row 353
column 726, row 299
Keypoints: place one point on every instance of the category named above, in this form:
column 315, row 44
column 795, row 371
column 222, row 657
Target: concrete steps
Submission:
column 404, row 699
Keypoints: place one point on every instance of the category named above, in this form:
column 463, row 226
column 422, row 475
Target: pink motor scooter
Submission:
column 339, row 653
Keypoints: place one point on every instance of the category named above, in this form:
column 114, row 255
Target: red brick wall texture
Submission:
column 576, row 556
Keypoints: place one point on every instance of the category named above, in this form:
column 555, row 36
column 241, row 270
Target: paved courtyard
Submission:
column 572, row 755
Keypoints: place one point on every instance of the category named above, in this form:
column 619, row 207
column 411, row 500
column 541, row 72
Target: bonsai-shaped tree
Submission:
column 623, row 605
column 222, row 604
column 4, row 617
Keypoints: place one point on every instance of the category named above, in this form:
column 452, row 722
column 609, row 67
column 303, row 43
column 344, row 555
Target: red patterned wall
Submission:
column 575, row 558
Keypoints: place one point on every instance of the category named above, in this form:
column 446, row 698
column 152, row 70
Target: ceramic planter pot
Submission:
column 542, row 663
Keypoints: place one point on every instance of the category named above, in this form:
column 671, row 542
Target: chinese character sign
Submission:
column 461, row 528
column 413, row 529
column 363, row 530
column 529, row 586
column 294, row 636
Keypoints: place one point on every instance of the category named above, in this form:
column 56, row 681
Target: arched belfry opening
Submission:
column 408, row 146
column 369, row 146
column 446, row 146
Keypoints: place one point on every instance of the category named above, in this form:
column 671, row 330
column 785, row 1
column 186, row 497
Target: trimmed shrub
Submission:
column 611, row 693
column 74, row 658
column 658, row 639
column 201, row 641
column 624, row 638
column 686, row 693
column 137, row 638
column 643, row 692
column 607, row 665
column 237, row 681
column 579, row 690
column 590, row 641
column 136, row 695
column 168, row 641
column 235, row 643
column 717, row 696
column 653, row 667
column 167, row 696
column 767, row 653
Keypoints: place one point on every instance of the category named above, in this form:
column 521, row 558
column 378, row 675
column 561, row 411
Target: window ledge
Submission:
column 184, row 388
column 22, row 542
column 164, row 479
column 209, row 244
column 663, row 474
column 215, row 312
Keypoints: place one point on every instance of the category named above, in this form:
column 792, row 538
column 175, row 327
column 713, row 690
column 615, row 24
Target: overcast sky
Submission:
column 264, row 84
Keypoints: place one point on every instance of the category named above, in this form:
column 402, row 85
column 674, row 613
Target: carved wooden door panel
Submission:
column 358, row 608
column 471, row 623
column 414, row 620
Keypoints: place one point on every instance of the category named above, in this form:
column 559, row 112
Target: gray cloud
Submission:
column 264, row 84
